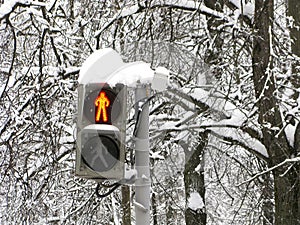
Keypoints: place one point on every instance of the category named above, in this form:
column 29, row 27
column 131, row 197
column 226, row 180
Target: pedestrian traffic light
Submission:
column 101, row 128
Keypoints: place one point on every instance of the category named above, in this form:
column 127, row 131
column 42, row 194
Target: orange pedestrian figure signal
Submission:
column 102, row 103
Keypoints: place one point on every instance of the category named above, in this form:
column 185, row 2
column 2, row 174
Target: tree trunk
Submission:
column 287, row 196
column 293, row 11
column 286, row 178
column 126, row 218
column 267, row 197
column 194, row 182
column 154, row 209
column 213, row 54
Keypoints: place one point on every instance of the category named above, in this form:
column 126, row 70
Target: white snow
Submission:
column 217, row 103
column 106, row 66
column 130, row 174
column 32, row 168
column 173, row 125
column 183, row 136
column 198, row 168
column 244, row 8
column 131, row 73
column 290, row 133
column 115, row 211
column 194, row 6
column 106, row 127
column 156, row 155
column 34, row 11
column 8, row 5
column 160, row 79
column 195, row 201
column 187, row 4
column 140, row 206
column 237, row 118
column 129, row 11
column 228, row 127
column 144, row 177
column 99, row 65
column 50, row 4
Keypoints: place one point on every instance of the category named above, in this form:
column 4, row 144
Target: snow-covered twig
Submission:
column 9, row 6
column 182, row 4
column 293, row 160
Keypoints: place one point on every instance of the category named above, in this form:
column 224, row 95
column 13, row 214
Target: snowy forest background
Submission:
column 225, row 139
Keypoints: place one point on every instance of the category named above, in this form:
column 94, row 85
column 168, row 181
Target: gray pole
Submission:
column 142, row 183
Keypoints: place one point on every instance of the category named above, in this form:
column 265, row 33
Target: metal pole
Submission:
column 142, row 183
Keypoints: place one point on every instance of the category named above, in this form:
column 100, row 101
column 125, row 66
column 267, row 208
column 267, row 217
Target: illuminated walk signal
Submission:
column 101, row 131
column 102, row 103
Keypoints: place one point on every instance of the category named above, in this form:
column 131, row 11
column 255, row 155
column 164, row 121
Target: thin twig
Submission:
column 293, row 160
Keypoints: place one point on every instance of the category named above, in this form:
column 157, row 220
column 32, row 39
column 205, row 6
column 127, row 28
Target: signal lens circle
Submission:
column 100, row 153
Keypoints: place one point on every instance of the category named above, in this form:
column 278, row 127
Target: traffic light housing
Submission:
column 101, row 128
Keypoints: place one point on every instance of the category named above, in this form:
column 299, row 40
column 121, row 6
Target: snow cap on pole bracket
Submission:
column 99, row 66
column 131, row 73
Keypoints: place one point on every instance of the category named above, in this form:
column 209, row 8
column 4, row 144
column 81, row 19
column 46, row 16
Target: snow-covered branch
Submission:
column 230, row 133
column 292, row 160
column 9, row 6
column 180, row 4
column 231, row 128
column 244, row 8
column 235, row 137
